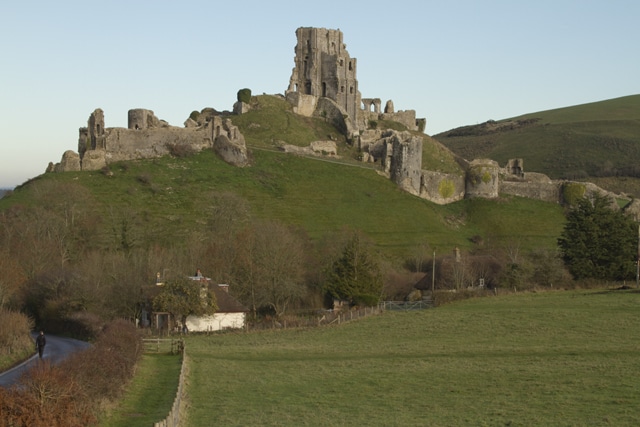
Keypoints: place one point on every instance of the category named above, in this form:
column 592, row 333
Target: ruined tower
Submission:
column 323, row 68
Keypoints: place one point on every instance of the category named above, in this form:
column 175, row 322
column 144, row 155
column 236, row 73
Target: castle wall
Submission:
column 442, row 188
column 545, row 191
column 482, row 179
column 406, row 162
column 140, row 118
column 407, row 118
column 131, row 144
column 302, row 104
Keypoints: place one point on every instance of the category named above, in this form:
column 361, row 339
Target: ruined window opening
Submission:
column 351, row 90
column 342, row 89
column 350, row 66
column 98, row 129
column 341, row 62
column 324, row 89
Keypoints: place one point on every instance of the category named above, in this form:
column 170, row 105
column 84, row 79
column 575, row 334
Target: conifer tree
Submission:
column 599, row 242
column 355, row 275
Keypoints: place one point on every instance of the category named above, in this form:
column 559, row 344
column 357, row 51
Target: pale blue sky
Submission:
column 454, row 62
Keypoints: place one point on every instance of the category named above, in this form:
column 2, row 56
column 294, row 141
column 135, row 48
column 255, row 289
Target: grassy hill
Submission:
column 584, row 141
column 170, row 197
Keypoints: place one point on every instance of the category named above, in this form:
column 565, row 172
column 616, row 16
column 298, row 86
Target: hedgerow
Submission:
column 70, row 394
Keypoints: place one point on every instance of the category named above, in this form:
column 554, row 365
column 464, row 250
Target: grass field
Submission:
column 565, row 358
column 149, row 397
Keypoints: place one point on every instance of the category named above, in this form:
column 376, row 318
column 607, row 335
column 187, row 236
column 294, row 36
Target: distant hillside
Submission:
column 600, row 139
column 4, row 191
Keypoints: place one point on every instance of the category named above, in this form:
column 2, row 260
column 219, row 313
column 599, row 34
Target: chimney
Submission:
column 224, row 287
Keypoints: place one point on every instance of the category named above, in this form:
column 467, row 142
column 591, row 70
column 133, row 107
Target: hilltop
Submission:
column 596, row 141
column 169, row 196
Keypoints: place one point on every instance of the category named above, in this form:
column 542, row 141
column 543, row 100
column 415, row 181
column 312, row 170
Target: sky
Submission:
column 455, row 62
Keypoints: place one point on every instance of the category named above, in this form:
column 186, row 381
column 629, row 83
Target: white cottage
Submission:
column 231, row 313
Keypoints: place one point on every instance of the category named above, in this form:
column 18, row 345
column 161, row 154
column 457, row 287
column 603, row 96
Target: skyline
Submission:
column 455, row 64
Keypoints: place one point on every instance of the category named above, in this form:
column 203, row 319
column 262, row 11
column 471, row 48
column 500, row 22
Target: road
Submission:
column 57, row 349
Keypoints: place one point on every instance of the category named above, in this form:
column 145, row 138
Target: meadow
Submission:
column 562, row 358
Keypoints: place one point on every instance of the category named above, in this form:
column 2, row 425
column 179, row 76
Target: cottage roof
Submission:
column 227, row 303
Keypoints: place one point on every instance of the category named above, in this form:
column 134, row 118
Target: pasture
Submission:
column 562, row 358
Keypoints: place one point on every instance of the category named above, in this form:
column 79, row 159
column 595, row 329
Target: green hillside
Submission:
column 168, row 198
column 592, row 140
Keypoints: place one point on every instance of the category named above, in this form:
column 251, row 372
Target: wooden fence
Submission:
column 163, row 345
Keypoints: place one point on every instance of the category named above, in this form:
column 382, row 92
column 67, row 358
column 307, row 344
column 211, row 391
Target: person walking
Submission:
column 41, row 341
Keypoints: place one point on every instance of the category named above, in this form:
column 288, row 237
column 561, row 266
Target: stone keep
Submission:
column 323, row 68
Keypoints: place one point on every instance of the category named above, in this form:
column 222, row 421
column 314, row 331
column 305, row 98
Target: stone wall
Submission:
column 442, row 188
column 482, row 179
column 546, row 191
column 149, row 137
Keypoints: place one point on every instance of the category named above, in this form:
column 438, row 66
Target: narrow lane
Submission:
column 57, row 349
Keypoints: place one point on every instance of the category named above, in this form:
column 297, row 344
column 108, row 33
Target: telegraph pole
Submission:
column 638, row 262
column 433, row 271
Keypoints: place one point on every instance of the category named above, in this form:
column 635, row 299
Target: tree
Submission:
column 269, row 268
column 184, row 297
column 599, row 242
column 355, row 275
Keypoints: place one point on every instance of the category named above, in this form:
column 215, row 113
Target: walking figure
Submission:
column 41, row 341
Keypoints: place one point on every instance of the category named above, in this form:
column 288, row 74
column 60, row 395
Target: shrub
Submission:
column 14, row 333
column 144, row 179
column 572, row 192
column 446, row 188
column 70, row 394
column 244, row 95
column 181, row 150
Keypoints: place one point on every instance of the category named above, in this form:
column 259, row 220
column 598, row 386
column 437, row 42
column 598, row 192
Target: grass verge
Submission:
column 149, row 397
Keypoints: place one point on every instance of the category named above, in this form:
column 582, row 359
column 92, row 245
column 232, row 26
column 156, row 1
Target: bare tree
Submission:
column 270, row 268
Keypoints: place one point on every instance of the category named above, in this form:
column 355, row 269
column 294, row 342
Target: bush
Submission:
column 181, row 150
column 70, row 394
column 244, row 95
column 14, row 333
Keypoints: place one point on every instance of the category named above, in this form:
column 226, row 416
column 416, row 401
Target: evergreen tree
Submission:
column 355, row 276
column 599, row 242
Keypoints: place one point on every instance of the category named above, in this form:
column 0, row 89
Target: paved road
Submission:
column 57, row 348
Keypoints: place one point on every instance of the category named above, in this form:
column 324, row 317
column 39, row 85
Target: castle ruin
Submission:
column 323, row 71
column 324, row 84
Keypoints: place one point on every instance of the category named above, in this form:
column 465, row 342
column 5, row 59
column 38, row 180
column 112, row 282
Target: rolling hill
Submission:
column 594, row 142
